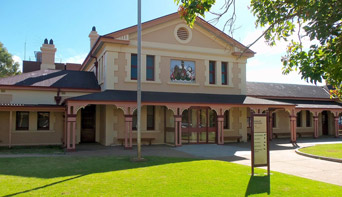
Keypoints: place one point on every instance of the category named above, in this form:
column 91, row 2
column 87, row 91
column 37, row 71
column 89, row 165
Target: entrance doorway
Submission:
column 325, row 123
column 199, row 126
column 88, row 124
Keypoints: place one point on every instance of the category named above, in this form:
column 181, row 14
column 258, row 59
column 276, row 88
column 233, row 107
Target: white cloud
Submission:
column 19, row 61
column 76, row 59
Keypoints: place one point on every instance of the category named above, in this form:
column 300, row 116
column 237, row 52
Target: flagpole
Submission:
column 139, row 85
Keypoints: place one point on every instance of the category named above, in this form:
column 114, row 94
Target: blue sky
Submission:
column 68, row 23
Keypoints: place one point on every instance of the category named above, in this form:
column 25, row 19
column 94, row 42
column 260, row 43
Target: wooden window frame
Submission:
column 212, row 72
column 150, row 68
column 41, row 128
column 225, row 74
column 134, row 66
column 16, row 121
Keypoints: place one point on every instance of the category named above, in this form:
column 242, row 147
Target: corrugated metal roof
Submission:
column 286, row 90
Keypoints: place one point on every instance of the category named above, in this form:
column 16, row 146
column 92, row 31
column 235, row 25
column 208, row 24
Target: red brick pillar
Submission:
column 270, row 127
column 178, row 130
column 336, row 126
column 128, row 131
column 315, row 126
column 293, row 120
column 220, row 134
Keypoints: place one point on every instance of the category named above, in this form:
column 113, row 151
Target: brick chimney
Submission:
column 48, row 55
column 93, row 37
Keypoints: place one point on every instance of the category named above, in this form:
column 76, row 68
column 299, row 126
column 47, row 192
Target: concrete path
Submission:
column 282, row 155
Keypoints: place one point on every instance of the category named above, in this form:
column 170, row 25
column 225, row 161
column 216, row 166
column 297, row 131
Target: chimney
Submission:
column 48, row 55
column 93, row 37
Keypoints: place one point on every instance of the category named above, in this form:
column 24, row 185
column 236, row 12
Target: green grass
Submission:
column 32, row 150
column 325, row 150
column 159, row 176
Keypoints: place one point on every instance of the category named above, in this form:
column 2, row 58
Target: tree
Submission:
column 7, row 66
column 319, row 20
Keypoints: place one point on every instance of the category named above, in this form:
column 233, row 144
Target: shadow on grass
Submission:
column 258, row 185
column 54, row 167
column 42, row 187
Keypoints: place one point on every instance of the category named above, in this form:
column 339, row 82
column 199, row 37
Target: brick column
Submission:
column 336, row 126
column 178, row 130
column 128, row 131
column 270, row 126
column 315, row 126
column 220, row 134
column 293, row 127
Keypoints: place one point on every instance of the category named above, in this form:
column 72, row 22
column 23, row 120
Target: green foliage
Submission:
column 319, row 20
column 7, row 66
column 190, row 9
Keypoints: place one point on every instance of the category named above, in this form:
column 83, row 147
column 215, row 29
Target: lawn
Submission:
column 32, row 150
column 325, row 150
column 159, row 176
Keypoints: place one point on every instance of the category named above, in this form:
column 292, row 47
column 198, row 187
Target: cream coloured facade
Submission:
column 194, row 91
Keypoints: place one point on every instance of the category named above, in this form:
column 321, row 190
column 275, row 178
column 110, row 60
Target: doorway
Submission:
column 199, row 126
column 325, row 123
column 88, row 124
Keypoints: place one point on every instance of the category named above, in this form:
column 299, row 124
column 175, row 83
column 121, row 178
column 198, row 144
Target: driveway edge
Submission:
column 317, row 157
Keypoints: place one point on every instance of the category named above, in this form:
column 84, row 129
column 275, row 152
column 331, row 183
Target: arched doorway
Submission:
column 199, row 126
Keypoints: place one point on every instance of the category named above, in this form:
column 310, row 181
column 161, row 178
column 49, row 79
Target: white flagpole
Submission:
column 139, row 84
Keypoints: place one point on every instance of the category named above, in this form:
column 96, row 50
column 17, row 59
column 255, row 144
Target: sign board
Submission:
column 260, row 146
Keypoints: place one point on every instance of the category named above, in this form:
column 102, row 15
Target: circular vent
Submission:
column 182, row 33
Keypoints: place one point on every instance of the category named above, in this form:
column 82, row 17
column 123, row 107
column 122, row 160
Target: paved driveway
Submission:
column 282, row 155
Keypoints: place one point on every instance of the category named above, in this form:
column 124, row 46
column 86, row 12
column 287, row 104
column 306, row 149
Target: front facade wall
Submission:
column 32, row 136
column 114, row 62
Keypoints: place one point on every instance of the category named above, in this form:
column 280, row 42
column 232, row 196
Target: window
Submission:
column 134, row 67
column 150, row 117
column 308, row 119
column 212, row 71
column 340, row 123
column 212, row 118
column 150, row 68
column 224, row 72
column 22, row 120
column 43, row 121
column 274, row 120
column 299, row 119
column 226, row 120
column 134, row 120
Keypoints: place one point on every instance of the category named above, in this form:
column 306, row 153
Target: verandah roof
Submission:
column 175, row 97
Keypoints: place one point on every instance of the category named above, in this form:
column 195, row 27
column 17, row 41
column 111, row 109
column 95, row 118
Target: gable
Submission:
column 167, row 33
column 202, row 29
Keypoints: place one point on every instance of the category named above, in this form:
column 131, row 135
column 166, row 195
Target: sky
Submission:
column 25, row 25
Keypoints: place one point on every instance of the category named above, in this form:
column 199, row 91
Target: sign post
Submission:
column 260, row 142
